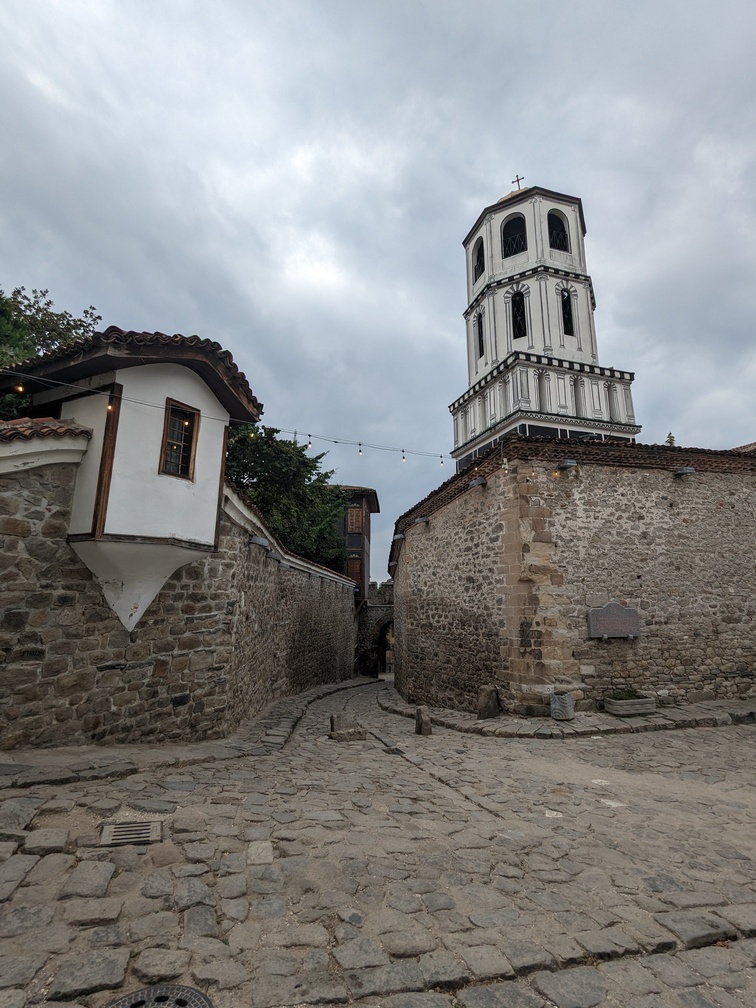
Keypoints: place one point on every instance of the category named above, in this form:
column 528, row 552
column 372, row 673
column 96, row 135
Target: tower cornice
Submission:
column 534, row 271
column 521, row 356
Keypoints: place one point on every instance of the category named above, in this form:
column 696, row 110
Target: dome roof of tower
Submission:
column 515, row 192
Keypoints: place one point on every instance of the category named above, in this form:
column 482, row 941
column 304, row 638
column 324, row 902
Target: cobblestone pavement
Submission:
column 442, row 871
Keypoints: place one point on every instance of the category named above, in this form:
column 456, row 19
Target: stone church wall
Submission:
column 497, row 586
column 447, row 609
column 680, row 551
column 225, row 636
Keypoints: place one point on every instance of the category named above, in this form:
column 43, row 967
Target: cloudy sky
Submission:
column 294, row 179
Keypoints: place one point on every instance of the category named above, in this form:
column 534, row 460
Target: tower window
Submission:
column 179, row 440
column 559, row 239
column 479, row 333
column 519, row 322
column 479, row 260
column 514, row 237
column 567, row 324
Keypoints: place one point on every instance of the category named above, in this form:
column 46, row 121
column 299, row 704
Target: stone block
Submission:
column 89, row 879
column 501, row 995
column 158, row 965
column 582, row 987
column 487, row 962
column 696, row 929
column 740, row 915
column 46, row 841
column 103, row 969
column 423, row 724
column 488, row 705
column 92, row 911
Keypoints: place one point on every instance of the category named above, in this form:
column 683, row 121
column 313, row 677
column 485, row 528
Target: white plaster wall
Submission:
column 91, row 411
column 142, row 501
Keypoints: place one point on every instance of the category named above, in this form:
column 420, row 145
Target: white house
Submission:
column 150, row 482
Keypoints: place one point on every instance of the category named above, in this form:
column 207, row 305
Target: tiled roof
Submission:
column 117, row 348
column 369, row 492
column 746, row 449
column 24, row 429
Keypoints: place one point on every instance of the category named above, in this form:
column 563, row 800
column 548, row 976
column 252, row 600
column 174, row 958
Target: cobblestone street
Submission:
column 404, row 871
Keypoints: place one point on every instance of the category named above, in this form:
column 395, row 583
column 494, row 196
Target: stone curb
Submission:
column 715, row 714
column 264, row 734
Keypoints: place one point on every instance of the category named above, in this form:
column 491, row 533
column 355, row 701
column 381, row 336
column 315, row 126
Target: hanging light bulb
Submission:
column 442, row 459
column 309, row 440
column 360, row 451
column 404, row 457
column 19, row 388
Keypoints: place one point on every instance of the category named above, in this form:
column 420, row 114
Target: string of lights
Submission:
column 360, row 445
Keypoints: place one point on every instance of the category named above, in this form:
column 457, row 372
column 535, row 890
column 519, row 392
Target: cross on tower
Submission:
column 517, row 179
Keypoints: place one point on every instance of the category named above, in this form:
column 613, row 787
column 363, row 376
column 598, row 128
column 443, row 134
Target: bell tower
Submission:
column 532, row 357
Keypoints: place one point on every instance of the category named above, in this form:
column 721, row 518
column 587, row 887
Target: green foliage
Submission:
column 670, row 440
column 29, row 327
column 629, row 693
column 290, row 490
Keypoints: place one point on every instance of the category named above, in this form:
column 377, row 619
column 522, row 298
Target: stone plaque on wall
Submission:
column 613, row 620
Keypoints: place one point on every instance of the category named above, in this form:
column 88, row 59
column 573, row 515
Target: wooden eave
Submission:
column 116, row 349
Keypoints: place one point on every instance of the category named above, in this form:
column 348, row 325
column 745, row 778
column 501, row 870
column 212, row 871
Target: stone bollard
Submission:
column 423, row 724
column 562, row 706
column 488, row 702
column 344, row 728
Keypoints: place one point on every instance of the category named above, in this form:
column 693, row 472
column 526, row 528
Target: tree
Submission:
column 670, row 440
column 291, row 491
column 29, row 327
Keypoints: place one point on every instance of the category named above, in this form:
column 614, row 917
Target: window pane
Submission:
column 179, row 441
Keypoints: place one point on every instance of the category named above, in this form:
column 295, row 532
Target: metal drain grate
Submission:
column 115, row 834
column 164, row 995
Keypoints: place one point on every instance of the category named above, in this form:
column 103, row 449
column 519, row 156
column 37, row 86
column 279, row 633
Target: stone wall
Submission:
column 447, row 609
column 497, row 586
column 376, row 613
column 226, row 635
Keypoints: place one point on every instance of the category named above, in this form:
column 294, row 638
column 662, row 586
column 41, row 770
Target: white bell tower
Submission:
column 532, row 358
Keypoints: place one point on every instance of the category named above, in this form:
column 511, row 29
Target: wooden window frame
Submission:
column 174, row 404
column 355, row 520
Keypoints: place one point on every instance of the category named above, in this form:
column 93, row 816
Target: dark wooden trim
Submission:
column 175, row 404
column 151, row 540
column 221, row 484
column 100, row 511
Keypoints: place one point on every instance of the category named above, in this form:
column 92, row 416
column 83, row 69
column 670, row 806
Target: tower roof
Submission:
column 521, row 196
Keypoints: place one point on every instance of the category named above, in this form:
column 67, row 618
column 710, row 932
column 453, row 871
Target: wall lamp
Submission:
column 399, row 538
column 478, row 481
column 422, row 521
column 683, row 471
column 393, row 563
column 567, row 464
column 258, row 541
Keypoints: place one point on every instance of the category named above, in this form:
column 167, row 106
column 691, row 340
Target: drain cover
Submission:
column 115, row 834
column 165, row 995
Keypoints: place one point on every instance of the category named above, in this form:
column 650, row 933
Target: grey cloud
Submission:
column 294, row 180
